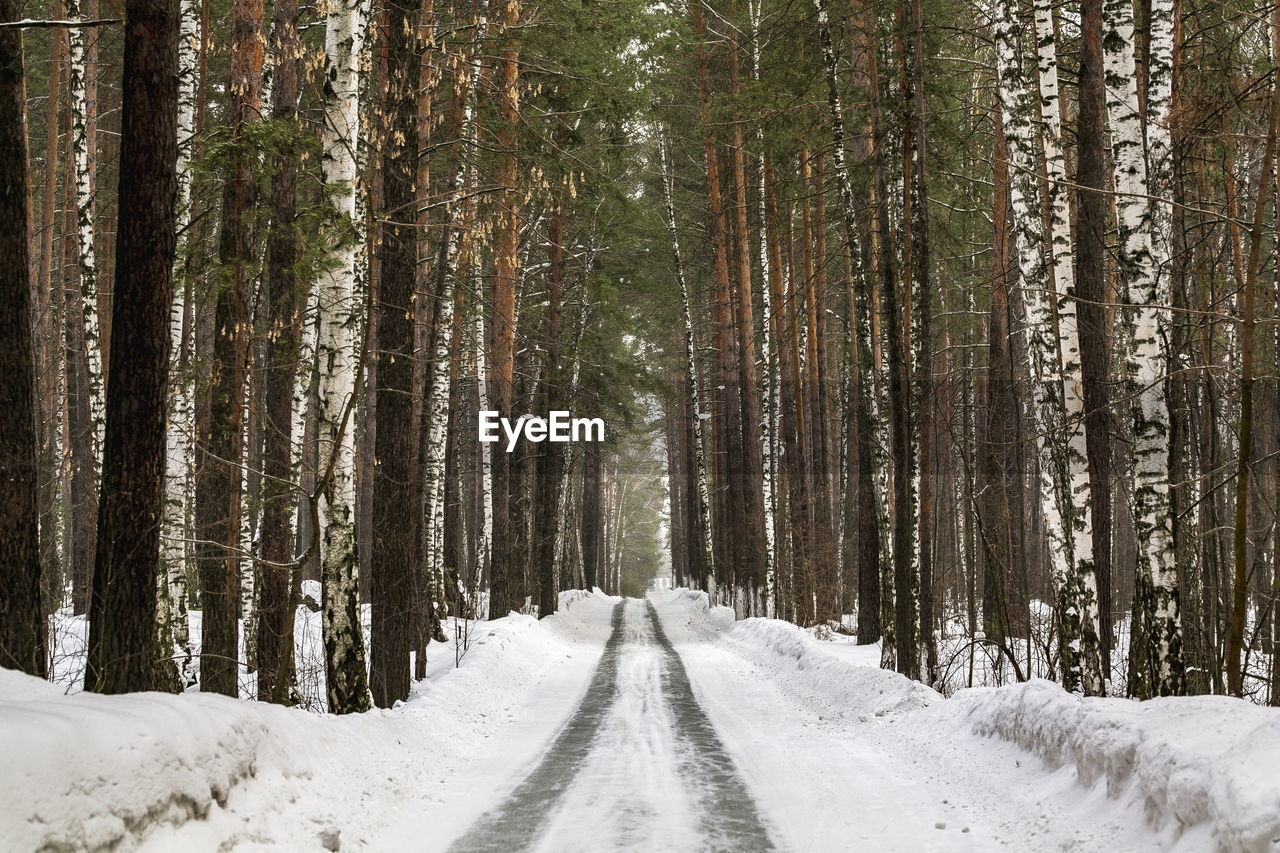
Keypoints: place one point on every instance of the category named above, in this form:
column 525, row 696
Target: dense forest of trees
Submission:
column 952, row 325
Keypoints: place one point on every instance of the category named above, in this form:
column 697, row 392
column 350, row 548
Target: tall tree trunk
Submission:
column 121, row 645
column 820, row 596
column 1054, row 376
column 394, row 517
column 698, row 522
column 505, row 563
column 219, row 485
column 897, row 299
column 924, row 349
column 767, row 347
column 80, row 491
column 727, row 404
column 592, row 506
column 285, row 298
column 49, row 356
column 857, row 292
column 549, row 457
column 180, row 446
column 1141, row 255
column 995, row 454
column 1244, row 461
column 791, row 425
column 22, row 620
column 1093, row 208
column 83, row 82
column 346, row 681
column 752, row 582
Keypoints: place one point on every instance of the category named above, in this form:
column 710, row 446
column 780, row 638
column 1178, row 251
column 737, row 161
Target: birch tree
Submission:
column 700, row 556
column 338, row 307
column 1142, row 259
column 179, row 448
column 82, row 80
column 1055, row 380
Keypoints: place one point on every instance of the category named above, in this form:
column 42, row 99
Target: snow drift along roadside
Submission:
column 805, row 666
column 90, row 772
column 1203, row 762
column 1189, row 761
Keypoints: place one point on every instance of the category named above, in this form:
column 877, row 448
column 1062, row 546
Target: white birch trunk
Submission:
column 1068, row 342
column 692, row 401
column 437, row 413
column 83, row 156
column 486, row 460
column 180, row 432
column 1143, row 254
column 1054, row 376
column 766, row 347
column 339, row 307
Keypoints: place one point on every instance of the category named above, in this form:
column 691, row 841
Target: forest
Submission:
column 951, row 326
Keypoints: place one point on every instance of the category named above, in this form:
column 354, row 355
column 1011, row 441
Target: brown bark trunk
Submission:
column 22, row 623
column 395, row 518
column 994, row 468
column 1092, row 214
column 284, row 299
column 592, row 506
column 549, row 457
column 122, row 634
column 219, row 448
column 504, row 563
column 752, row 571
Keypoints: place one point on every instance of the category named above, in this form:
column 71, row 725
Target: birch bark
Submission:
column 82, row 79
column 1143, row 256
column 1053, row 370
column 702, row 562
column 346, row 680
column 179, row 453
column 868, row 561
column 770, row 391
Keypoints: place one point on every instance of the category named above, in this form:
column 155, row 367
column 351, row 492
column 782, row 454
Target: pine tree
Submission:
column 122, row 651
column 22, row 624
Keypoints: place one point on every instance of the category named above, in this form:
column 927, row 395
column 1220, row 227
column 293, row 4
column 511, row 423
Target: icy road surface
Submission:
column 655, row 725
column 637, row 767
column 676, row 741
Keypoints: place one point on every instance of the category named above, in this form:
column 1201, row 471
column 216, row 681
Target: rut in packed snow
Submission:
column 638, row 760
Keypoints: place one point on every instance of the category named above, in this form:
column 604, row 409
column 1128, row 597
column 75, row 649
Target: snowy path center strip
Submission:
column 590, row 768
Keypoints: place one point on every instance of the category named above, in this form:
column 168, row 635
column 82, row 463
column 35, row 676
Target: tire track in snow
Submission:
column 638, row 764
column 731, row 819
column 519, row 818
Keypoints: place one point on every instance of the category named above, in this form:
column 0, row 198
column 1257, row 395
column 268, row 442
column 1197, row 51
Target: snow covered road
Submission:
column 642, row 725
column 683, row 741
column 637, row 767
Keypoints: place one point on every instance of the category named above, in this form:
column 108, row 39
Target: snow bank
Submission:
column 1202, row 769
column 91, row 772
column 1201, row 760
column 808, row 667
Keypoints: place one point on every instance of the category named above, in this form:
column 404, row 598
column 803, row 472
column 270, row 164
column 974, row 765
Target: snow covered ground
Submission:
column 1025, row 767
column 199, row 772
column 640, row 742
